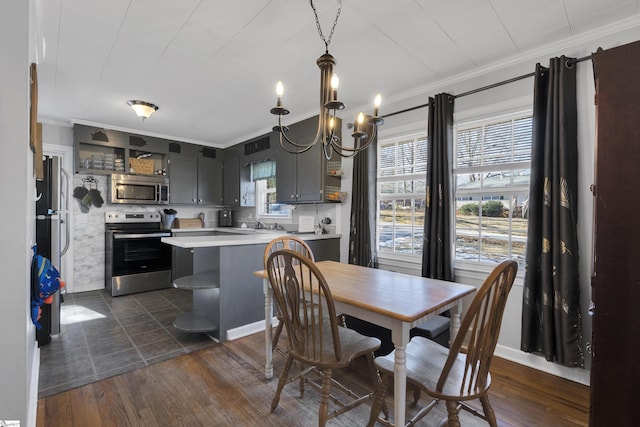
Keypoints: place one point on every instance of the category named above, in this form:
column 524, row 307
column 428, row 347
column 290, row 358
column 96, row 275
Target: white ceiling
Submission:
column 211, row 66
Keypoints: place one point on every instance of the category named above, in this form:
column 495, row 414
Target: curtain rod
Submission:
column 483, row 88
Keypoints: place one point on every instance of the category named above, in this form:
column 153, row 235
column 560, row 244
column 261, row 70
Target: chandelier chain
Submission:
column 333, row 28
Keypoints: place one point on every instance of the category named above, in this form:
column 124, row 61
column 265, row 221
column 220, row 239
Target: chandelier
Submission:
column 329, row 105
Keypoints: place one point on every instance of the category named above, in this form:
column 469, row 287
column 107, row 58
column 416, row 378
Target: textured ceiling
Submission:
column 211, row 66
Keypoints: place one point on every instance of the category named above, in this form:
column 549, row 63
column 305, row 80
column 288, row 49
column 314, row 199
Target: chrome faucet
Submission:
column 260, row 224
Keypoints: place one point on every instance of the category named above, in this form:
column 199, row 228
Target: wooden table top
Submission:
column 395, row 295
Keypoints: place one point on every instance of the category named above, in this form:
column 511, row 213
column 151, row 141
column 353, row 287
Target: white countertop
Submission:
column 188, row 230
column 244, row 237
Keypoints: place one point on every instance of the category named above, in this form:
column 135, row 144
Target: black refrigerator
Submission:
column 52, row 235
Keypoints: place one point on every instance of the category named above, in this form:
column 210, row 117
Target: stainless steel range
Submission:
column 136, row 259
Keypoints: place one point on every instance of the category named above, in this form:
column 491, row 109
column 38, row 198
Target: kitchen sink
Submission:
column 248, row 230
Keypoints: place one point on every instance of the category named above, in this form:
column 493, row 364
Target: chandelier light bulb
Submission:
column 359, row 122
column 335, row 82
column 376, row 105
column 279, row 92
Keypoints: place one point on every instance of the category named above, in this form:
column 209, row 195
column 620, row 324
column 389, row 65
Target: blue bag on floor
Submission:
column 45, row 281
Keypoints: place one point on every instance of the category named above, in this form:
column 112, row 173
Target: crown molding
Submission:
column 570, row 44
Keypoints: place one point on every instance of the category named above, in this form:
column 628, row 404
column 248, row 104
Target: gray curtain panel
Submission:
column 551, row 317
column 436, row 250
column 362, row 249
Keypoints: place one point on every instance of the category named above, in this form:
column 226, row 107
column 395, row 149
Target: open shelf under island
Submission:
column 228, row 261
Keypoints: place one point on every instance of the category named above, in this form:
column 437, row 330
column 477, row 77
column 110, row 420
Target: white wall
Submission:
column 512, row 94
column 20, row 355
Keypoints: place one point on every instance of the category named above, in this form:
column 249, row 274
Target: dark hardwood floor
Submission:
column 223, row 385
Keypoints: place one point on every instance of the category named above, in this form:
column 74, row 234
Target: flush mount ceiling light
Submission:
column 329, row 105
column 143, row 109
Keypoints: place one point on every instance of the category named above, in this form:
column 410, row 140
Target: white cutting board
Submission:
column 305, row 224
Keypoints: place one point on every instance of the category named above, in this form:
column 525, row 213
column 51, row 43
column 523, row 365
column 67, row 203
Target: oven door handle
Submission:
column 140, row 235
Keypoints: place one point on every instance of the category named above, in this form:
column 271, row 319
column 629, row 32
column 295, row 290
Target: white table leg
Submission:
column 400, row 338
column 455, row 320
column 268, row 313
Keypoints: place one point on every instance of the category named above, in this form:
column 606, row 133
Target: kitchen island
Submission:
column 228, row 300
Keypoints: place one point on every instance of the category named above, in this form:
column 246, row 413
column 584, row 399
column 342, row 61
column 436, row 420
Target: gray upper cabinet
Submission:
column 92, row 145
column 301, row 178
column 209, row 181
column 195, row 180
column 106, row 151
column 239, row 190
column 231, row 174
column 247, row 187
column 183, row 179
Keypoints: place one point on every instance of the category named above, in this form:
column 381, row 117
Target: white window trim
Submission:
column 471, row 122
column 260, row 214
column 414, row 135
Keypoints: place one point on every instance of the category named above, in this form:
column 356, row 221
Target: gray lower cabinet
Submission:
column 195, row 181
column 325, row 249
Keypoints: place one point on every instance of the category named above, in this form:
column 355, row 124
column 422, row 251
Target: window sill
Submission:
column 473, row 273
column 269, row 219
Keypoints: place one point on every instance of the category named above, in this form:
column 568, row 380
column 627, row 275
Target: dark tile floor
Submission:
column 102, row 336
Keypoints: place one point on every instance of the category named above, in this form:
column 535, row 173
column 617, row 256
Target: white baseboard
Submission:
column 578, row 375
column 87, row 288
column 250, row 329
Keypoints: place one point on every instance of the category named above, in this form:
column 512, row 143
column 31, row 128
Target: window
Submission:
column 402, row 166
column 263, row 174
column 491, row 172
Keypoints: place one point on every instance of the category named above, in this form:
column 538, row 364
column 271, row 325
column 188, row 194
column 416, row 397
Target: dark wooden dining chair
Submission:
column 285, row 242
column 461, row 373
column 315, row 338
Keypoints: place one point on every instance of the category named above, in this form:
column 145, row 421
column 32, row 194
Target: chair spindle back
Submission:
column 287, row 242
column 303, row 297
column 480, row 328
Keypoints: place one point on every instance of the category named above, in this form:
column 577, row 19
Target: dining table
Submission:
column 396, row 301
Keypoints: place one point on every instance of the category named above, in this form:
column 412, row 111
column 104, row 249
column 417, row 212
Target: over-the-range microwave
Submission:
column 139, row 190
